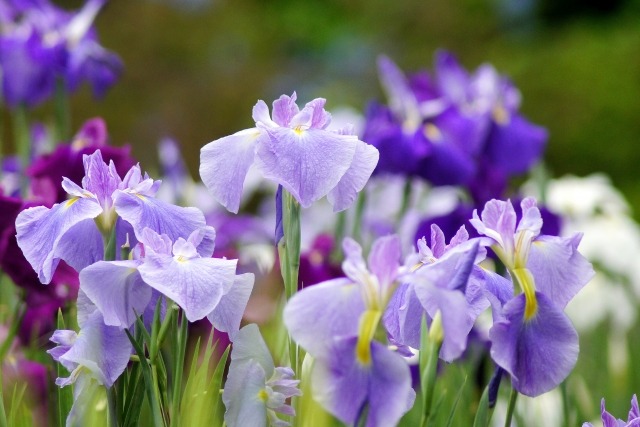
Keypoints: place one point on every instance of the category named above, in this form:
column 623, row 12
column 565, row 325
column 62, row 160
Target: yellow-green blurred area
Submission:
column 195, row 68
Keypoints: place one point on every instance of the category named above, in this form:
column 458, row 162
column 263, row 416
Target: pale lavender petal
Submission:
column 634, row 412
column 196, row 285
column 228, row 313
column 320, row 118
column 82, row 255
column 117, row 289
column 339, row 383
column 538, row 353
column 100, row 179
column 261, row 115
column 353, row 265
column 318, row 314
column 284, row 109
column 104, row 350
column 39, row 231
column 249, row 345
column 241, row 396
column 391, row 395
column 224, row 164
column 384, row 259
column 164, row 218
column 403, row 316
column 308, row 163
column 498, row 222
column 353, row 181
column 560, row 271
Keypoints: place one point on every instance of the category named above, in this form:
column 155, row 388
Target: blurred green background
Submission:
column 195, row 68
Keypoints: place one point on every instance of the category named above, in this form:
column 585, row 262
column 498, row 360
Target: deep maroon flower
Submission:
column 47, row 171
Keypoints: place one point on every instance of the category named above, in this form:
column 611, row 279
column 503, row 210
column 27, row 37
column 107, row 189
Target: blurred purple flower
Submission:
column 46, row 171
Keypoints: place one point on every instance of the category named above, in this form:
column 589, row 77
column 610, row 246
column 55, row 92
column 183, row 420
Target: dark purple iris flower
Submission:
column 41, row 43
column 316, row 265
column 453, row 127
column 46, row 171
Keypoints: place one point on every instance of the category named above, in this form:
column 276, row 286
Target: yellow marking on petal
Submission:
column 140, row 196
column 527, row 283
column 432, row 132
column 367, row 329
column 181, row 258
column 298, row 130
column 71, row 201
column 501, row 115
column 263, row 395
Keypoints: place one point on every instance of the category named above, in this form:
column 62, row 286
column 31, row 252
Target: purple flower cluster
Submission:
column 452, row 127
column 345, row 323
column 170, row 258
column 40, row 43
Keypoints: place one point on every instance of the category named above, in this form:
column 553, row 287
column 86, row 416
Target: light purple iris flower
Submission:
column 182, row 271
column 608, row 420
column 336, row 322
column 97, row 355
column 256, row 390
column 532, row 338
column 48, row 235
column 294, row 148
column 441, row 285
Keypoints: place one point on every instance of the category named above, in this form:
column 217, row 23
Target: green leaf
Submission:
column 483, row 414
column 455, row 403
column 148, row 381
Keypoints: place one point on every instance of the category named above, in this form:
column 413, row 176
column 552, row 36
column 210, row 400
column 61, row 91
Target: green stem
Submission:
column 16, row 321
column 429, row 354
column 22, row 142
column 111, row 401
column 289, row 247
column 565, row 403
column 512, row 404
column 62, row 112
column 406, row 198
column 341, row 228
column 181, row 342
column 357, row 222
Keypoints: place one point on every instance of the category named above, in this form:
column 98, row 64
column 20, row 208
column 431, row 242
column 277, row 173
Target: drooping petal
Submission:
column 516, row 145
column 560, row 271
column 308, row 163
column 228, row 313
column 164, row 218
column 79, row 256
column 353, row 181
column 117, row 289
column 345, row 388
column 318, row 314
column 196, row 285
column 403, row 317
column 224, row 164
column 538, row 353
column 103, row 350
column 40, row 230
column 242, row 395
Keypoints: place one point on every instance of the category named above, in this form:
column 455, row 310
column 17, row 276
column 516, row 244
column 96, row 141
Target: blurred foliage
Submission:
column 195, row 69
